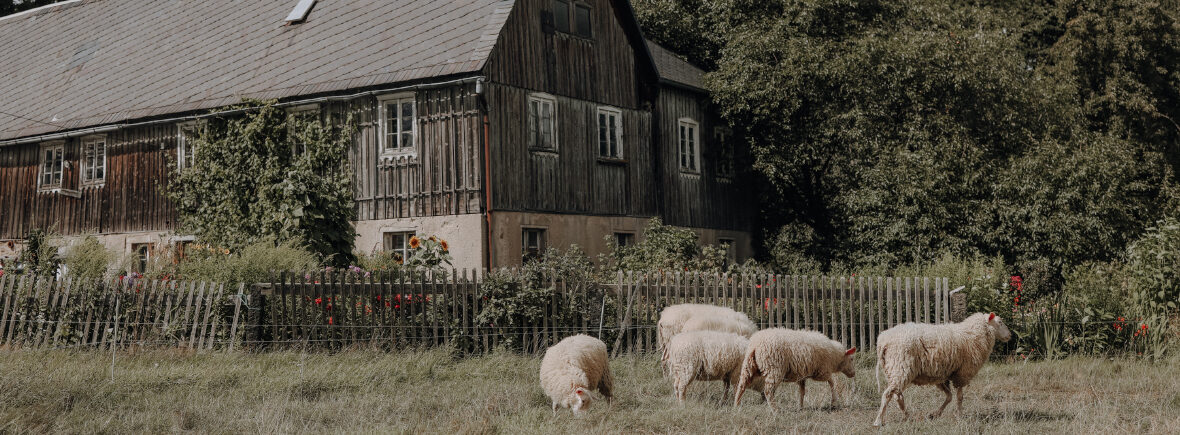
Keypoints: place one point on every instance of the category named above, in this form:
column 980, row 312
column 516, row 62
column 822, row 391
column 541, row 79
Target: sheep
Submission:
column 741, row 326
column 571, row 368
column 939, row 355
column 673, row 319
column 785, row 355
column 705, row 356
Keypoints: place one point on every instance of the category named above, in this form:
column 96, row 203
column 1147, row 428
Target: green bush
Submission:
column 514, row 299
column 88, row 259
column 252, row 264
column 1153, row 262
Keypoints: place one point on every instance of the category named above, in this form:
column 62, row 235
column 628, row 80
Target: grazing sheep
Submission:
column 573, row 367
column 785, row 355
column 674, row 317
column 705, row 356
column 939, row 355
column 741, row 326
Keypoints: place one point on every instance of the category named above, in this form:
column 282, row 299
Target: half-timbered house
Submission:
column 503, row 126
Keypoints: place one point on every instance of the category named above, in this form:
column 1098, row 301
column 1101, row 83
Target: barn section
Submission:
column 470, row 67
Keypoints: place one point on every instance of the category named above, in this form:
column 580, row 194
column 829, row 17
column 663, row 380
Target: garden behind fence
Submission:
column 340, row 310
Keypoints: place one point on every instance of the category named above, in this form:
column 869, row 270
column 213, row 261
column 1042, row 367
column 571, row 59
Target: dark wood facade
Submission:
column 463, row 131
column 130, row 199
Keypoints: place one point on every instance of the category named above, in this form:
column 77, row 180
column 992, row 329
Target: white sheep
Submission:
column 573, row 367
column 939, row 355
column 735, row 325
column 785, row 355
column 674, row 317
column 705, row 356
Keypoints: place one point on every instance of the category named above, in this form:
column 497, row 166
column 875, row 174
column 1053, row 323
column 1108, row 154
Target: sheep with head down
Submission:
column 785, row 355
column 574, row 367
column 700, row 317
column 940, row 355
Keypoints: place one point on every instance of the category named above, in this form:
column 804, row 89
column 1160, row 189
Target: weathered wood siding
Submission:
column 601, row 69
column 697, row 199
column 444, row 176
column 131, row 199
column 573, row 179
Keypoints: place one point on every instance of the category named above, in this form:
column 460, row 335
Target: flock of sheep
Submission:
column 709, row 343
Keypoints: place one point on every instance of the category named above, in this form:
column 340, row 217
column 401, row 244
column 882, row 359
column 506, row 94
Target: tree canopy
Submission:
column 895, row 131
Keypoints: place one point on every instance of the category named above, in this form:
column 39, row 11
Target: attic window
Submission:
column 299, row 14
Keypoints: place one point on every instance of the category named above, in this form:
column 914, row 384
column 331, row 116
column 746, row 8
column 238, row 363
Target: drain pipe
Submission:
column 489, row 257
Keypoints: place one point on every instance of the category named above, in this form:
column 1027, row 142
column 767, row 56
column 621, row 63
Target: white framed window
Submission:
column 624, row 239
column 542, row 122
column 532, row 243
column 722, row 137
column 52, row 162
column 302, row 115
column 398, row 243
column 94, row 160
column 398, row 126
column 610, row 133
column 186, row 133
column 689, row 140
column 143, row 255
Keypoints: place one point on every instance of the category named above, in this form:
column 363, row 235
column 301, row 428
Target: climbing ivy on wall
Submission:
column 264, row 174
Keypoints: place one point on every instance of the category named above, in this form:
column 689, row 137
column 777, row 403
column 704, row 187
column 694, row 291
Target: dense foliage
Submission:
column 895, row 131
column 264, row 174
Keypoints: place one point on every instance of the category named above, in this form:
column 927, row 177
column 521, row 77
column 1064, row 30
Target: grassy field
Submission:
column 431, row 392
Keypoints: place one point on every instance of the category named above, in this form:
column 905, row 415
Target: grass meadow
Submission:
column 430, row 391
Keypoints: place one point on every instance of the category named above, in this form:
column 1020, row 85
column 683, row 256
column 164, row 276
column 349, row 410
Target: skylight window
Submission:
column 299, row 14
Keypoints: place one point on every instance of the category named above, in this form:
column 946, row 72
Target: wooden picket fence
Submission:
column 39, row 312
column 461, row 308
column 339, row 310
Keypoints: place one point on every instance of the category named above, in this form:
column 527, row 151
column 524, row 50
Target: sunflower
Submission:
column 432, row 239
column 445, row 246
column 415, row 242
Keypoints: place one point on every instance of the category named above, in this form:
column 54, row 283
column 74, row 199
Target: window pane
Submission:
column 561, row 15
column 582, row 21
column 547, row 125
column 692, row 149
column 614, row 138
column 533, row 133
column 602, row 134
column 407, row 115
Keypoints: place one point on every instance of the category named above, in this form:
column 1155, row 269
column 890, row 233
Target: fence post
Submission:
column 958, row 304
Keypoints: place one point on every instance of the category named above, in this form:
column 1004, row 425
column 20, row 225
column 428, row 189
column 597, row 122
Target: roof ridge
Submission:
column 40, row 9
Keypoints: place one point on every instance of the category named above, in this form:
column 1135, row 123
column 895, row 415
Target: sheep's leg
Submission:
column 802, row 391
column 555, row 408
column 945, row 387
column 832, row 387
column 885, row 397
column 769, row 392
column 901, row 404
column 959, row 398
column 682, row 389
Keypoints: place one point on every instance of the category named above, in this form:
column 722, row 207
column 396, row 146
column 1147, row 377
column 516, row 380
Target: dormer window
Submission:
column 572, row 18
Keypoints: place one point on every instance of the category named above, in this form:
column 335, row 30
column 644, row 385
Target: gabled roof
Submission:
column 94, row 62
column 674, row 69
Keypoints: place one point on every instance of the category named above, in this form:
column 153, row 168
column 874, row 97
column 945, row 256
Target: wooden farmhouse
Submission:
column 504, row 127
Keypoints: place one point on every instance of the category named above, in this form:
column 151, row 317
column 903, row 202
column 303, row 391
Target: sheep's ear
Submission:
column 991, row 317
column 850, row 351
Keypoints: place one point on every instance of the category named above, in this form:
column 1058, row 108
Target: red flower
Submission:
column 397, row 306
column 378, row 297
column 329, row 307
column 330, row 321
column 387, row 303
column 318, row 300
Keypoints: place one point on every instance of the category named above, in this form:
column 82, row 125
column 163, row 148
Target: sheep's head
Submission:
column 847, row 367
column 999, row 328
column 579, row 400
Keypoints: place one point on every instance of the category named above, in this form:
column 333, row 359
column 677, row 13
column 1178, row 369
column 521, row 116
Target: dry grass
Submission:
column 429, row 391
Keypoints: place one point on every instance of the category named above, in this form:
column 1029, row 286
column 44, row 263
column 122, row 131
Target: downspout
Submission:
column 487, row 177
